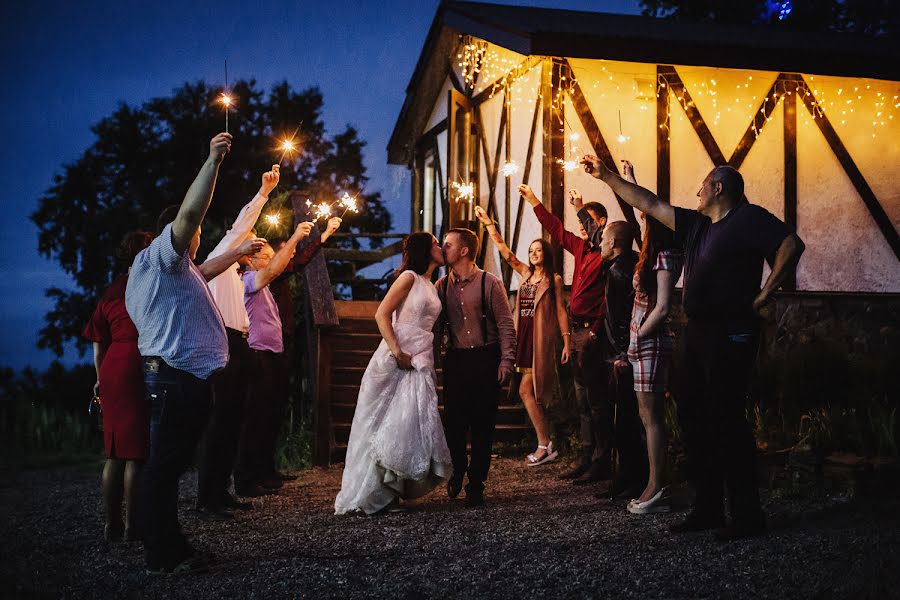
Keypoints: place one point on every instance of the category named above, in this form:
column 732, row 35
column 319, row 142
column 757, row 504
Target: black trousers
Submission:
column 262, row 418
column 633, row 468
column 220, row 442
column 721, row 449
column 179, row 407
column 591, row 374
column 471, row 391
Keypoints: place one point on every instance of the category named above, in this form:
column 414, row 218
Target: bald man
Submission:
column 726, row 240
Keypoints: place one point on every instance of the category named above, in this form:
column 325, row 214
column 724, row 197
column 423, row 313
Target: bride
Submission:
column 397, row 447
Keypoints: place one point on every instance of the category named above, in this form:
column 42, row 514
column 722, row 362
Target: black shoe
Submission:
column 232, row 503
column 576, row 471
column 474, row 498
column 739, row 531
column 596, row 472
column 697, row 522
column 252, row 491
column 213, row 513
column 454, row 488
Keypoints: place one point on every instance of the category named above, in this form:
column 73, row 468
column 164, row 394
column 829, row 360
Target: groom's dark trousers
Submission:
column 471, row 391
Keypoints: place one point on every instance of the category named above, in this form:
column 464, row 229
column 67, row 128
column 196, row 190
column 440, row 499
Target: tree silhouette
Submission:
column 144, row 159
column 876, row 18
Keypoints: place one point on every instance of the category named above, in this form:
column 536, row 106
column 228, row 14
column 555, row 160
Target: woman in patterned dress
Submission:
column 650, row 348
column 540, row 316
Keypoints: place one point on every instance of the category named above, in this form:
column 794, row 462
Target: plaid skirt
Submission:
column 650, row 357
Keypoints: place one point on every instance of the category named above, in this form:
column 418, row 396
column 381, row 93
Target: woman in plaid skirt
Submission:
column 650, row 348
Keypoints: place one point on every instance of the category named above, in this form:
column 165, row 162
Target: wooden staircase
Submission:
column 344, row 353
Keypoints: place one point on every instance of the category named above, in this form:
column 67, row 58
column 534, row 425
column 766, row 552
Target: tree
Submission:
column 877, row 18
column 144, row 158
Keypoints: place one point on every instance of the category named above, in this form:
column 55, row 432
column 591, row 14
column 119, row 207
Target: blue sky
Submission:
column 66, row 65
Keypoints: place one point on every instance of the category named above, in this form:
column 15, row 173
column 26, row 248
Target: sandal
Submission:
column 549, row 455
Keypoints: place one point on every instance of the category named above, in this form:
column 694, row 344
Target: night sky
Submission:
column 66, row 65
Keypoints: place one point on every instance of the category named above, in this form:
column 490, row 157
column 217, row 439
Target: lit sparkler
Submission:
column 323, row 211
column 568, row 165
column 348, row 202
column 510, row 169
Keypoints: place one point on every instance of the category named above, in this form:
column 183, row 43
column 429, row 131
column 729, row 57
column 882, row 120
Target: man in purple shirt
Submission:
column 726, row 241
column 255, row 469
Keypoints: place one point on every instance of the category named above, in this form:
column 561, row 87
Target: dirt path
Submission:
column 537, row 537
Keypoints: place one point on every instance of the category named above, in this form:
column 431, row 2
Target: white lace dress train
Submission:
column 397, row 446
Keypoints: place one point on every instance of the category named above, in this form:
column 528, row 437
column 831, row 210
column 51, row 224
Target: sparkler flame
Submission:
column 272, row 219
column 226, row 100
column 510, row 168
column 464, row 191
column 348, row 202
column 323, row 211
column 568, row 165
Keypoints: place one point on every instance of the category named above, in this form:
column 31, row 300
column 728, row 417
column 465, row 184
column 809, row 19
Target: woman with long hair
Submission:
column 120, row 387
column 540, row 316
column 650, row 348
column 397, row 447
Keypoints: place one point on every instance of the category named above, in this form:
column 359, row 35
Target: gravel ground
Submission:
column 536, row 537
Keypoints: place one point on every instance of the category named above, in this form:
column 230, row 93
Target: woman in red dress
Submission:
column 120, row 387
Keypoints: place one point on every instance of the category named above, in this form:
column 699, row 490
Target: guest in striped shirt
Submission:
column 183, row 345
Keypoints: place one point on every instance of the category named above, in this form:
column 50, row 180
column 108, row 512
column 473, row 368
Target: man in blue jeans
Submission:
column 181, row 337
column 726, row 240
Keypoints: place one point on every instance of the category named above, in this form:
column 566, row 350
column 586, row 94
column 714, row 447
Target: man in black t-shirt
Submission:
column 726, row 241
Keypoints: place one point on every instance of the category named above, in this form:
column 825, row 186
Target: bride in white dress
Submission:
column 397, row 447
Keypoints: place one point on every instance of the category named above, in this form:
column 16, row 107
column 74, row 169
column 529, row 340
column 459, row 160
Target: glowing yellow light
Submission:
column 288, row 146
column 272, row 219
column 226, row 100
column 621, row 138
column 574, row 136
column 348, row 202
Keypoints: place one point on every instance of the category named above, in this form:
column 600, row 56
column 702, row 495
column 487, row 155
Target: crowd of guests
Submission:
column 196, row 355
column 193, row 358
column 620, row 344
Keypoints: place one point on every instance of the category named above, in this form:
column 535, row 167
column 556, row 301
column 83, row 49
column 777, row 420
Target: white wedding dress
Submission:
column 397, row 446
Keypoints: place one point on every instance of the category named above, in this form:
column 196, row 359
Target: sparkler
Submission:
column 466, row 192
column 323, row 211
column 568, row 165
column 510, row 168
column 287, row 146
column 349, row 203
column 621, row 138
column 225, row 99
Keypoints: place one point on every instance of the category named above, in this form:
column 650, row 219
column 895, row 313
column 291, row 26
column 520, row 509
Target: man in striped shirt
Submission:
column 182, row 340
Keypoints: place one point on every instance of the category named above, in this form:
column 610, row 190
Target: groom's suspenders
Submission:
column 442, row 294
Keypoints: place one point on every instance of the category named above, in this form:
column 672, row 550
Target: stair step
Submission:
column 353, row 341
column 356, row 326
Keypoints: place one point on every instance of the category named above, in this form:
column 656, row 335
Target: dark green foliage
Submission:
column 144, row 159
column 45, row 414
column 877, row 18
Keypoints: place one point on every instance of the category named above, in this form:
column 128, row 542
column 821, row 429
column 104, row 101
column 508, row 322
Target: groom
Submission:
column 481, row 348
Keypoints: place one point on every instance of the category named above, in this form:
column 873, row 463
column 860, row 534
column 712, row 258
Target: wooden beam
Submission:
column 324, row 441
column 663, row 147
column 790, row 174
column 602, row 150
column 553, row 182
column 760, row 118
column 859, row 182
column 526, row 174
column 693, row 114
column 491, row 90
